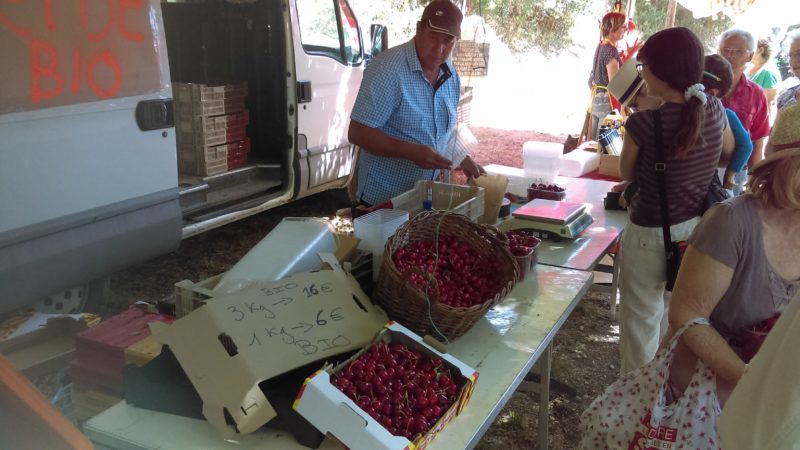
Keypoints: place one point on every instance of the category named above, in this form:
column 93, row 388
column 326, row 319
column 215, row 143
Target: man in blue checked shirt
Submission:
column 404, row 119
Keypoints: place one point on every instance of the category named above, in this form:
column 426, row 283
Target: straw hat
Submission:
column 784, row 142
column 626, row 82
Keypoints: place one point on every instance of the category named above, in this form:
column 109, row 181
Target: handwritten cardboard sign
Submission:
column 236, row 341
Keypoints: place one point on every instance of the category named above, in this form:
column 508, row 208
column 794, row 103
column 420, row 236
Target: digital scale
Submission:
column 553, row 218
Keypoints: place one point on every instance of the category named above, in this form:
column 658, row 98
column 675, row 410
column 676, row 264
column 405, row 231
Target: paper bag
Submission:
column 495, row 188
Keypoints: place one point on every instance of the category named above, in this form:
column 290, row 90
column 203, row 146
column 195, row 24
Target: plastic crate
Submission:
column 190, row 295
column 205, row 124
column 209, row 107
column 212, row 137
column 203, row 160
column 374, row 229
column 460, row 199
column 196, row 92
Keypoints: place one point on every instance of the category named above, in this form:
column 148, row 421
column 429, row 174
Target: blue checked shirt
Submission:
column 397, row 99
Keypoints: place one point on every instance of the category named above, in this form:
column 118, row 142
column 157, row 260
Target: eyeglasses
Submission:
column 734, row 51
column 640, row 67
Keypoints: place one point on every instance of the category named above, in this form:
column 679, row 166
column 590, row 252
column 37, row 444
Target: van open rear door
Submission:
column 329, row 60
column 88, row 177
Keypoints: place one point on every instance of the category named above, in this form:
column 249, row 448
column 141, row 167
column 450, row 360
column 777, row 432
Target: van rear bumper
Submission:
column 46, row 258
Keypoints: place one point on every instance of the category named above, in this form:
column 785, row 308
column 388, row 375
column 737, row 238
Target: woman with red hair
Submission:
column 606, row 63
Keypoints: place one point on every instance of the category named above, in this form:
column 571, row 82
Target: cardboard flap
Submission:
column 236, row 341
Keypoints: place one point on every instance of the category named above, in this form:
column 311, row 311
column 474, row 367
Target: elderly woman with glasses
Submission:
column 694, row 133
column 791, row 95
column 745, row 98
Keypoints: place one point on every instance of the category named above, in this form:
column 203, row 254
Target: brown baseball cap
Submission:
column 442, row 16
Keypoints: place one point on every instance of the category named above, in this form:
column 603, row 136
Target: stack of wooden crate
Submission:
column 211, row 124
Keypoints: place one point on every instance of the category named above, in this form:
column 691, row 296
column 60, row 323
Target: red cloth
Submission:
column 749, row 103
column 596, row 175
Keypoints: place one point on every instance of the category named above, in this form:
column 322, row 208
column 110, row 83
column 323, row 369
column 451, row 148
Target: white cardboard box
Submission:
column 331, row 411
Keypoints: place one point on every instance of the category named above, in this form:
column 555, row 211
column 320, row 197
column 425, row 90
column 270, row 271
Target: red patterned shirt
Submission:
column 749, row 103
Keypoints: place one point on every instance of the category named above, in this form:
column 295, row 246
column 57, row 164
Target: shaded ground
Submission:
column 585, row 351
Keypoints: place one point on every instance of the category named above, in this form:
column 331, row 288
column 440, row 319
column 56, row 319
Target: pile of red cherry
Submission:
column 521, row 243
column 402, row 388
column 465, row 277
column 547, row 187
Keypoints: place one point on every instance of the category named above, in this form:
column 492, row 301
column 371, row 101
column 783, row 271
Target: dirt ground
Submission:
column 585, row 352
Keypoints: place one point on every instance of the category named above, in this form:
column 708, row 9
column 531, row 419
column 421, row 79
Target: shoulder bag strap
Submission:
column 661, row 168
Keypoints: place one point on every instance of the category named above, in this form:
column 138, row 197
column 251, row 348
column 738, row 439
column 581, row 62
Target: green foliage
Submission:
column 651, row 16
column 531, row 24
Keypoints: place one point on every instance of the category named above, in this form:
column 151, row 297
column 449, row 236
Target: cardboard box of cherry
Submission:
column 396, row 393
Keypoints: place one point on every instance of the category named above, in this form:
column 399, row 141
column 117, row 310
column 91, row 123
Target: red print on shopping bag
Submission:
column 651, row 437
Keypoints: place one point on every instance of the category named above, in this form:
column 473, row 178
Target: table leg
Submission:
column 612, row 308
column 544, row 395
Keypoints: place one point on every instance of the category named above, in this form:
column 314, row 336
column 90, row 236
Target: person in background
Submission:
column 764, row 72
column 717, row 78
column 745, row 98
column 694, row 131
column 763, row 410
column 605, row 65
column 404, row 118
column 791, row 95
column 741, row 268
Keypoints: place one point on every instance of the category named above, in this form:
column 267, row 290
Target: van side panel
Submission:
column 56, row 255
column 83, row 190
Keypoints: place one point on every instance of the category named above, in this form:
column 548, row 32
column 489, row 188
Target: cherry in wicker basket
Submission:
column 409, row 306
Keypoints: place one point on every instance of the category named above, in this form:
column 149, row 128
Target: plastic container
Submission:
column 524, row 262
column 374, row 229
column 547, row 195
column 460, row 199
column 541, row 160
column 291, row 247
column 517, row 182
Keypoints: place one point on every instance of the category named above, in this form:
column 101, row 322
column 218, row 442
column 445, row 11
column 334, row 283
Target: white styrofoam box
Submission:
column 517, row 181
column 331, row 411
column 541, row 159
column 578, row 162
column 374, row 229
column 293, row 246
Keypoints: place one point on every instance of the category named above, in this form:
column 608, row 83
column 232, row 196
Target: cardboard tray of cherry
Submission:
column 406, row 387
column 403, row 389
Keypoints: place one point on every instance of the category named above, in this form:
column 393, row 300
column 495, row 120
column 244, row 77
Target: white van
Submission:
column 89, row 164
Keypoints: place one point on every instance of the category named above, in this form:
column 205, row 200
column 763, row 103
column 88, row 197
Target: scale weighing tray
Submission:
column 564, row 219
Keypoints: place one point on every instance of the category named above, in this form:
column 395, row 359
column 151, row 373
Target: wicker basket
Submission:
column 408, row 306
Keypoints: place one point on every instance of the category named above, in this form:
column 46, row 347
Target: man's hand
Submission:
column 471, row 168
column 427, row 158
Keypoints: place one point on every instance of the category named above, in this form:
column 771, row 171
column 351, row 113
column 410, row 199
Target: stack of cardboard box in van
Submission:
column 211, row 125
